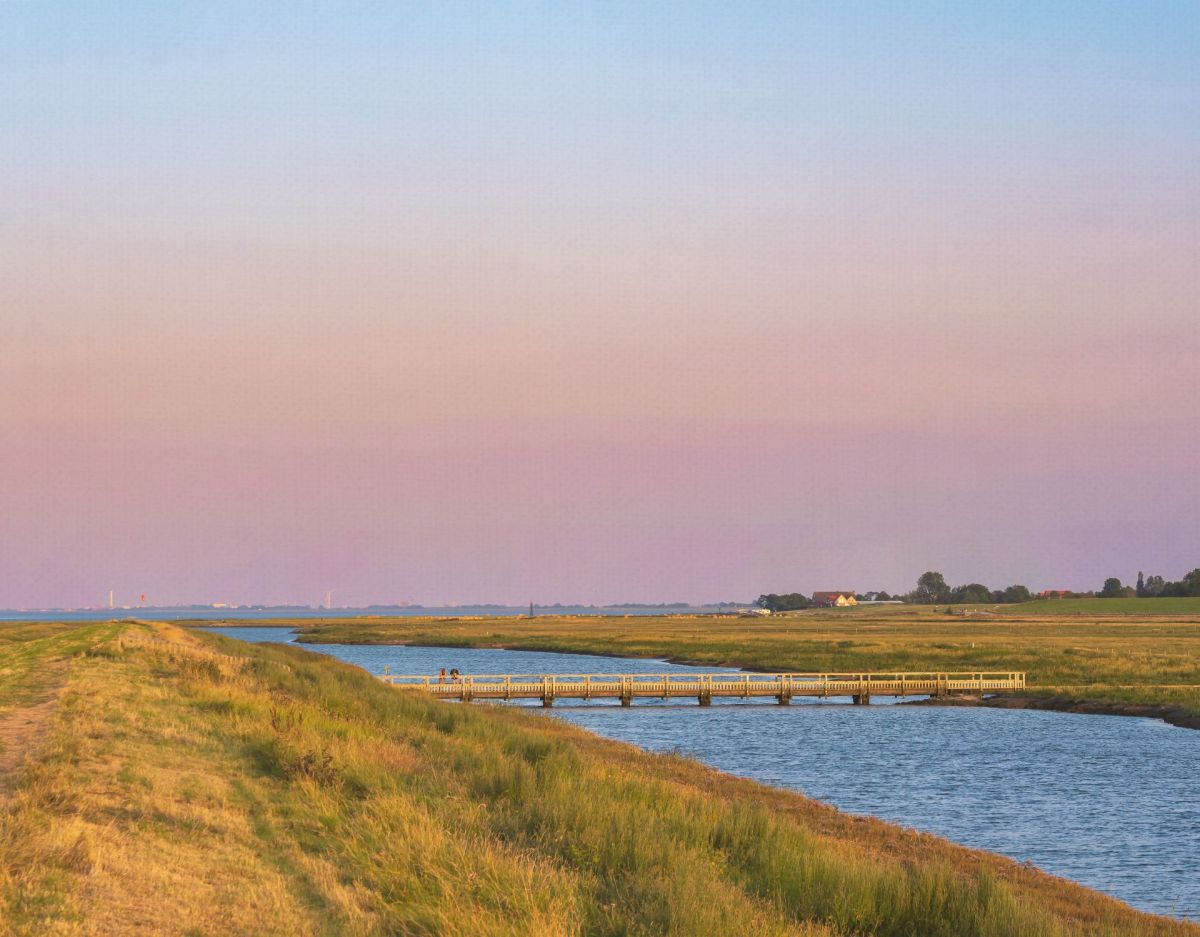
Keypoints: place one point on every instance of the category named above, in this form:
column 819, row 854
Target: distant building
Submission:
column 1055, row 594
column 834, row 599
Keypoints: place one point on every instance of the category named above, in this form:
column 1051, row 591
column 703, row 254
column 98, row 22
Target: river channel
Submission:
column 1108, row 801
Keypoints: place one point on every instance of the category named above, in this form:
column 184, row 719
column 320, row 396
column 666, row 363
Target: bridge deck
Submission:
column 707, row 686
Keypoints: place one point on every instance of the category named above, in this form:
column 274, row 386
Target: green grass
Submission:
column 203, row 786
column 28, row 651
column 1101, row 608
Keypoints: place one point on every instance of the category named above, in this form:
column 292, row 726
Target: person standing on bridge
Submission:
column 442, row 675
column 454, row 675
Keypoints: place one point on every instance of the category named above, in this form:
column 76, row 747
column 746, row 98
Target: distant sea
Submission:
column 258, row 613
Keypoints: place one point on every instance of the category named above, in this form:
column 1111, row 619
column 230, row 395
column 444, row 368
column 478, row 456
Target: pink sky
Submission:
column 273, row 323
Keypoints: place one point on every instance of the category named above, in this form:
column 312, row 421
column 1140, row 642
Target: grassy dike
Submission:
column 190, row 784
column 1145, row 665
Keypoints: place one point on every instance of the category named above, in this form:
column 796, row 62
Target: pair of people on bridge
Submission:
column 453, row 675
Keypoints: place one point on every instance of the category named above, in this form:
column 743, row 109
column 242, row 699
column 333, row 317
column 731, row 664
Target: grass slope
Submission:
column 195, row 785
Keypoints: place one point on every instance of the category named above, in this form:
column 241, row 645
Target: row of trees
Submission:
column 1150, row 587
column 932, row 589
column 791, row 602
column 794, row 601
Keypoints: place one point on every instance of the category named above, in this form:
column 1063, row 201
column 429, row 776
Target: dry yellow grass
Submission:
column 126, row 823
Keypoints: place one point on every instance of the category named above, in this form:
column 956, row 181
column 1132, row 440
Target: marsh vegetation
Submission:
column 1072, row 655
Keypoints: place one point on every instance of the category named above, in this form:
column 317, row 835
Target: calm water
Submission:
column 1108, row 801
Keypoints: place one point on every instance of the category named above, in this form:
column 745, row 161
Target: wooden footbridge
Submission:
column 705, row 687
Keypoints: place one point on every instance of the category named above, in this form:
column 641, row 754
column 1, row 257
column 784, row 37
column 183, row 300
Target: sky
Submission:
column 594, row 302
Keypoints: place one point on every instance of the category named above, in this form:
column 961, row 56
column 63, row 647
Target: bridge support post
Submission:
column 547, row 701
column 626, row 700
column 705, row 699
column 784, row 698
column 862, row 699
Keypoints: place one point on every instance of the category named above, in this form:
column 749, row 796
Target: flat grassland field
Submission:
column 1141, row 651
column 1103, row 608
column 161, row 780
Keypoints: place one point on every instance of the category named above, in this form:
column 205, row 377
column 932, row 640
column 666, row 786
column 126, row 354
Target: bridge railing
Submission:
column 797, row 683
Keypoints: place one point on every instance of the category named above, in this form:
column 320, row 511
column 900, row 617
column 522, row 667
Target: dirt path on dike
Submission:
column 22, row 727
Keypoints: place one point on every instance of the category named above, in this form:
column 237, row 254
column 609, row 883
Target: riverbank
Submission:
column 1068, row 703
column 1120, row 665
column 188, row 783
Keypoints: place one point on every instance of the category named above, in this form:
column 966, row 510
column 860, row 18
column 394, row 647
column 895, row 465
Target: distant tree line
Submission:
column 1152, row 587
column 791, row 602
column 795, row 601
column 932, row 589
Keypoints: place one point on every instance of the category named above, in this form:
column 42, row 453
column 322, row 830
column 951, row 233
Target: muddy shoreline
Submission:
column 1174, row 715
